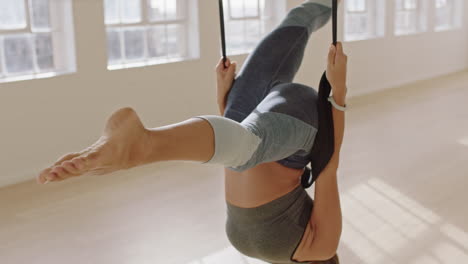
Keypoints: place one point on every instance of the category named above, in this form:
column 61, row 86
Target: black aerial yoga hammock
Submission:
column 324, row 143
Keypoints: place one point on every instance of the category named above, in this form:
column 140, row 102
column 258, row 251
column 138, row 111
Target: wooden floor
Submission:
column 403, row 180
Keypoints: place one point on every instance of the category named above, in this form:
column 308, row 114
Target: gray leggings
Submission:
column 270, row 118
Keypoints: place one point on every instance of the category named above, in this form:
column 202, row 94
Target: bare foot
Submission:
column 121, row 146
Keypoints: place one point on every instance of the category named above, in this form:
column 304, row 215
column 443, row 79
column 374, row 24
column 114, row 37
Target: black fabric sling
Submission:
column 324, row 143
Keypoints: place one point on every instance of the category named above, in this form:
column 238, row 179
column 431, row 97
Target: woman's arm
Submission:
column 326, row 219
column 225, row 75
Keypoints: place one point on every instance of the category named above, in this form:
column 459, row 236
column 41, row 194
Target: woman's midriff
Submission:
column 263, row 184
column 260, row 185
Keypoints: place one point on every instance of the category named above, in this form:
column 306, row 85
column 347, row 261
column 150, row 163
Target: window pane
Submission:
column 174, row 40
column 445, row 15
column 235, row 35
column 252, row 33
column 157, row 42
column 406, row 4
column 40, row 14
column 44, row 51
column 410, row 4
column 251, row 8
column 156, row 37
column 356, row 5
column 12, row 14
column 32, row 49
column 17, row 51
column 156, row 10
column 405, row 22
column 364, row 19
column 114, row 46
column 131, row 11
column 171, row 9
column 134, row 40
column 441, row 3
column 410, row 18
column 112, row 11
column 264, row 11
column 356, row 24
column 236, row 8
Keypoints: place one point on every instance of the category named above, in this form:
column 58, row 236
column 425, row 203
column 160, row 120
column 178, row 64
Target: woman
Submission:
column 263, row 139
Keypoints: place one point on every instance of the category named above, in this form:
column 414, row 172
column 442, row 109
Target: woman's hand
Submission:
column 225, row 75
column 336, row 71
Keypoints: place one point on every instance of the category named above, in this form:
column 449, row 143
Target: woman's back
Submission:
column 260, row 185
column 269, row 192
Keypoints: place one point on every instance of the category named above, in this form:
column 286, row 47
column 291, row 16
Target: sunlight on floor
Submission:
column 404, row 201
column 456, row 234
column 380, row 225
column 227, row 256
column 425, row 259
column 448, row 253
column 380, row 222
column 464, row 141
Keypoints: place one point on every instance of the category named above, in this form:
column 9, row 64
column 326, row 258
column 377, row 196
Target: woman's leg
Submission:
column 276, row 58
column 126, row 143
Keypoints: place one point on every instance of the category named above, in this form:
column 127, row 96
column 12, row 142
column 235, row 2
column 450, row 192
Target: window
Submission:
column 364, row 19
column 247, row 21
column 36, row 39
column 448, row 14
column 410, row 16
column 146, row 32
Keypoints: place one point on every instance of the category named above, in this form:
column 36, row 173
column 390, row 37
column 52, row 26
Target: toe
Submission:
column 48, row 174
column 78, row 163
column 59, row 173
column 65, row 158
column 87, row 163
column 41, row 179
column 70, row 167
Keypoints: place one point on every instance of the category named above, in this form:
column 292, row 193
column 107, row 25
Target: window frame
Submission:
column 455, row 16
column 375, row 27
column 366, row 7
column 257, row 17
column 183, row 20
column 268, row 16
column 60, row 22
column 420, row 13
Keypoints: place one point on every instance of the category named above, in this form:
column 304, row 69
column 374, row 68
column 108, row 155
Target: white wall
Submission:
column 42, row 119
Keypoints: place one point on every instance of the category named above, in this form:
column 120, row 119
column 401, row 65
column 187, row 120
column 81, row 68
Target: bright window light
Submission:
column 12, row 14
column 364, row 19
column 147, row 32
column 36, row 39
column 449, row 14
column 247, row 21
column 410, row 4
column 356, row 5
column 410, row 17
